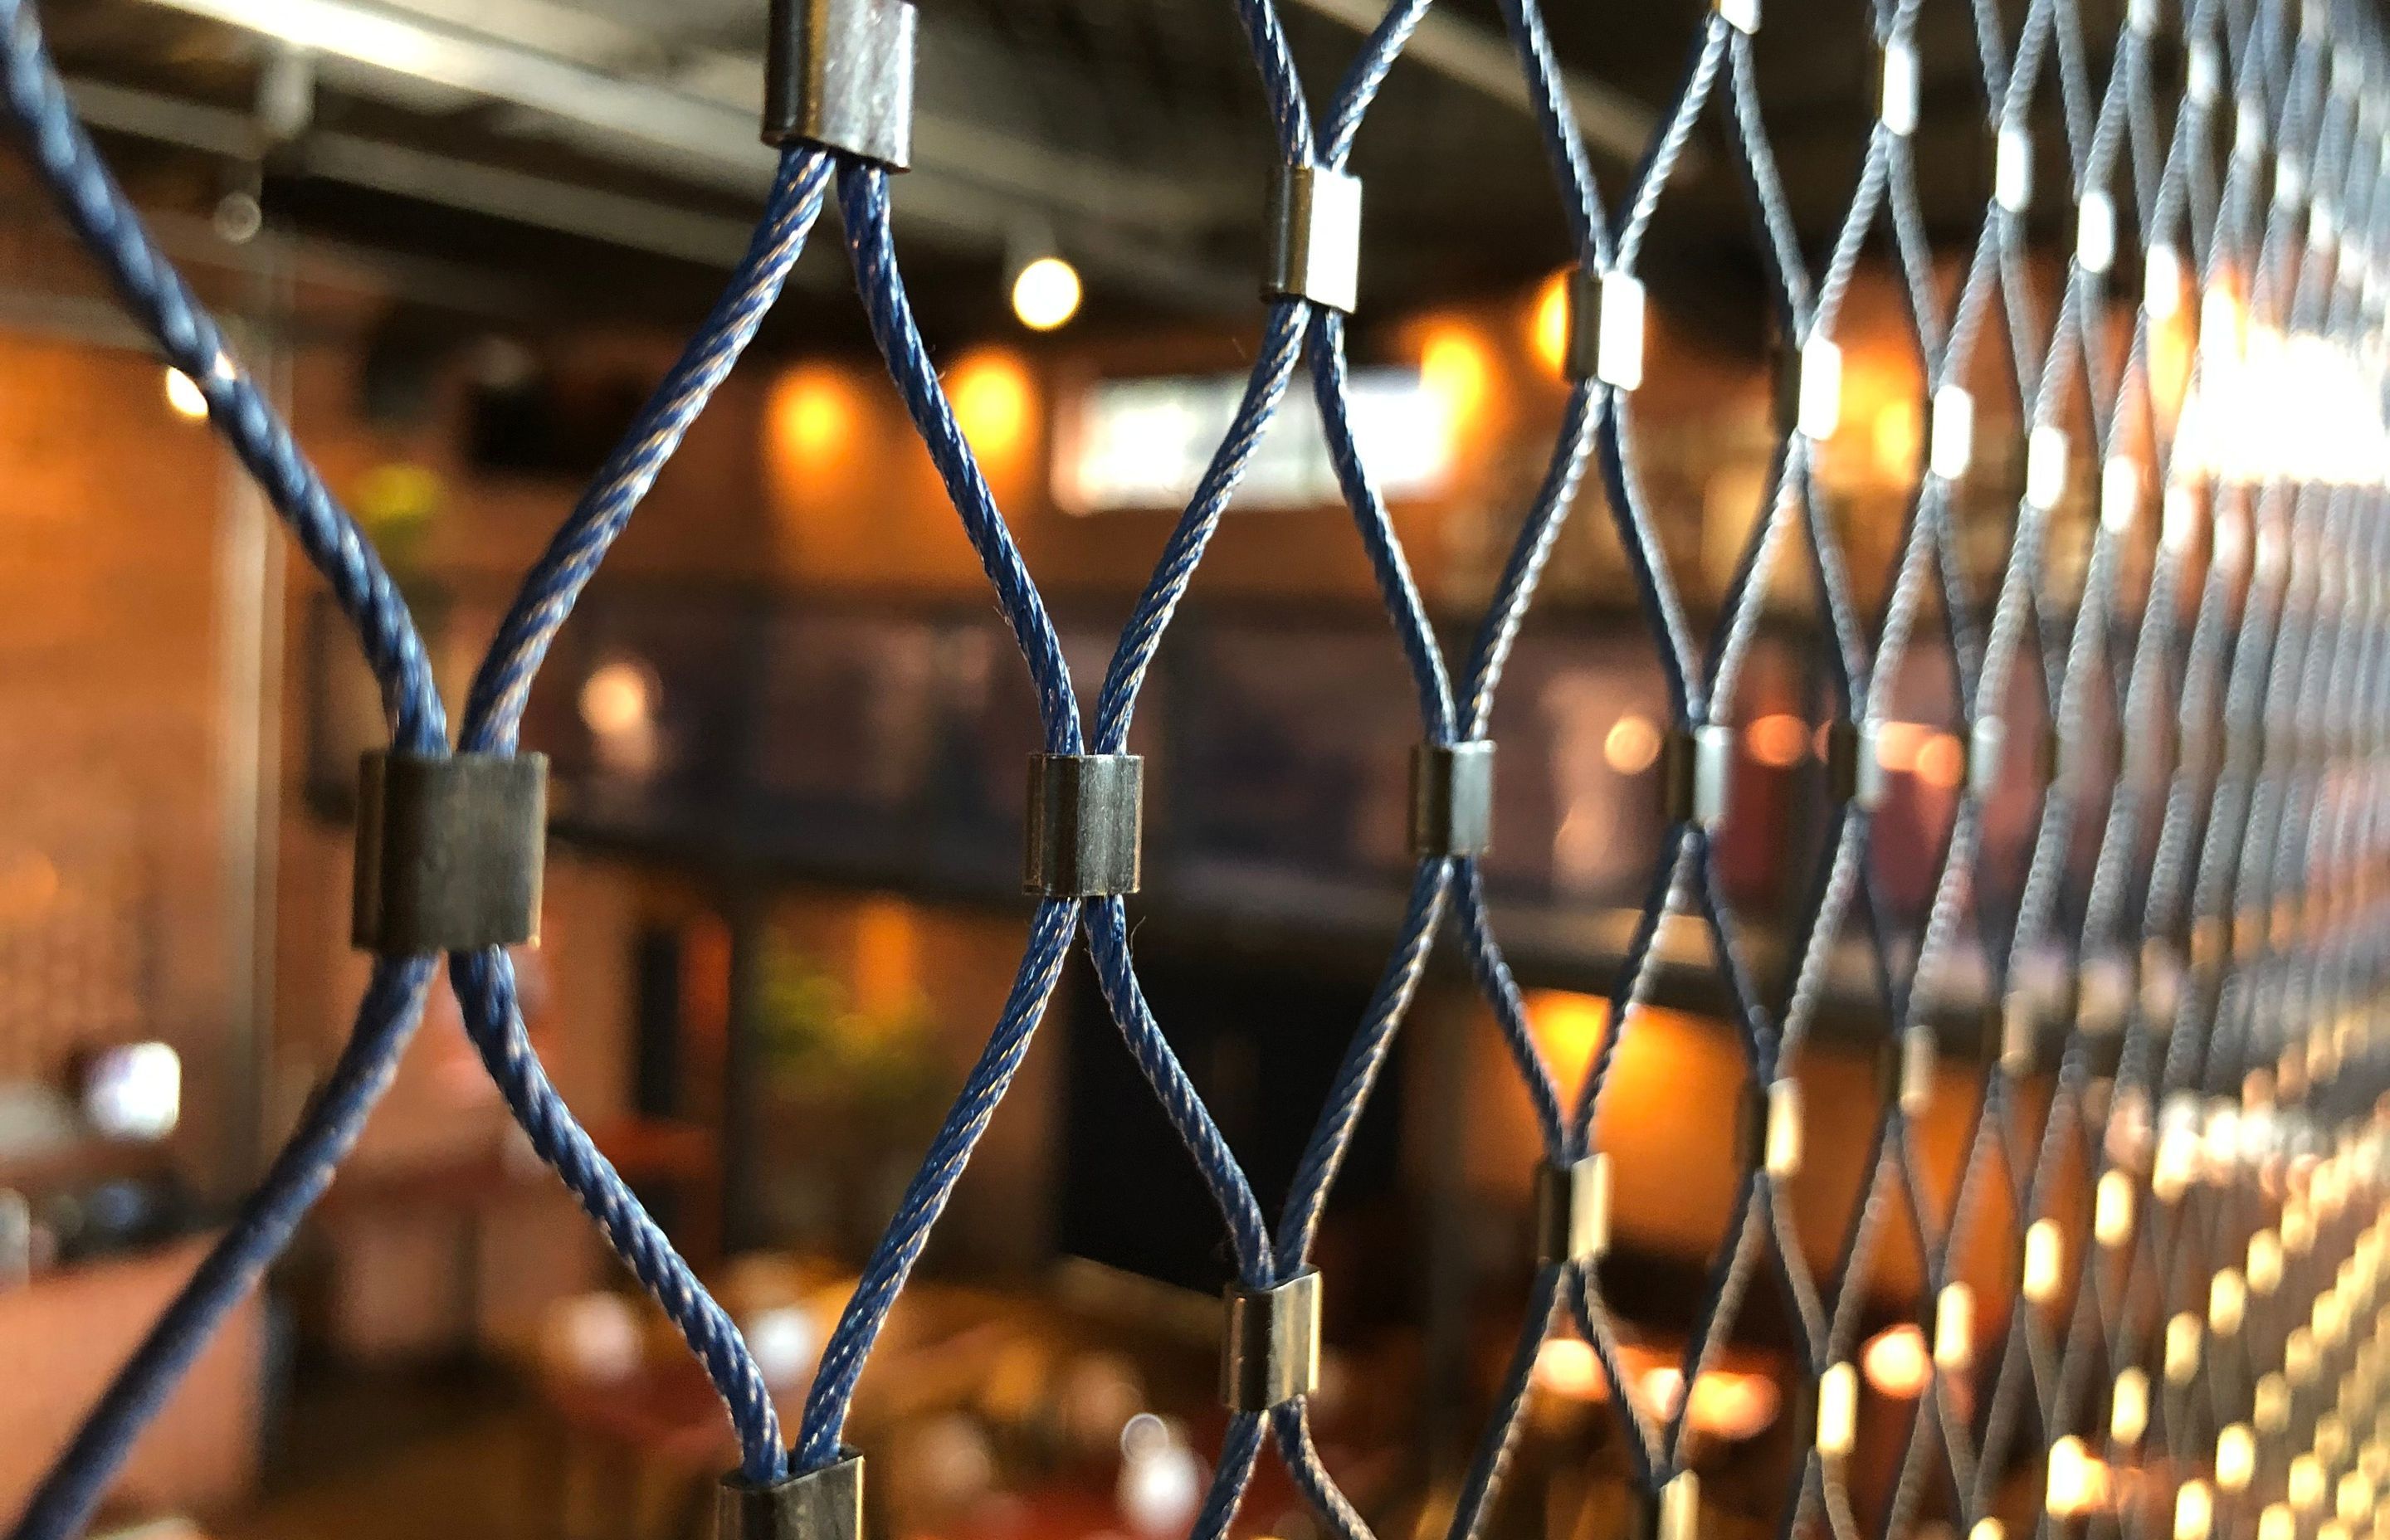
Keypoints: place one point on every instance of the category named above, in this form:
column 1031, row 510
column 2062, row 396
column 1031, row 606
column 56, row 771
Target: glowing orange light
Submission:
column 1631, row 745
column 1547, row 322
column 1941, row 761
column 993, row 401
column 1896, row 744
column 1779, row 741
column 1896, row 1362
column 1567, row 1028
column 814, row 411
column 1731, row 1405
column 1567, row 1367
column 1455, row 370
column 2078, row 1478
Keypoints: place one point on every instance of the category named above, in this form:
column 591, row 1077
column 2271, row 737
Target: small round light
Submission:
column 183, row 395
column 1046, row 293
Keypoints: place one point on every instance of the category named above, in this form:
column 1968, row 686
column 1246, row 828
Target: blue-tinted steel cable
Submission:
column 494, row 707
column 863, row 199
column 71, row 1489
column 79, row 183
column 1265, row 389
column 194, row 344
column 862, row 206
column 925, row 1197
column 484, row 981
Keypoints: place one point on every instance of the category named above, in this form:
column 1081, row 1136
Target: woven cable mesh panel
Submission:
column 2162, row 1023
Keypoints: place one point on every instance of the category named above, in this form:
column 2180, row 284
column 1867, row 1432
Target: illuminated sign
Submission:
column 1144, row 444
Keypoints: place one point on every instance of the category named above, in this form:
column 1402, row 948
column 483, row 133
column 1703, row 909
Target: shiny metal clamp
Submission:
column 1086, row 825
column 450, row 852
column 840, row 73
column 1452, row 797
column 1270, row 1351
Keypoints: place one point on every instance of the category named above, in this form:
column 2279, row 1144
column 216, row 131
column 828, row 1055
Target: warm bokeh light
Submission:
column 1457, row 371
column 2305, row 1485
column 2078, row 1480
column 994, row 401
column 2112, row 1210
column 2129, row 1406
column 1568, row 1366
column 1941, row 761
column 1838, row 1410
column 1899, row 429
column 1895, row 1362
column 1632, row 743
column 2236, row 1457
column 2299, row 407
column 183, row 395
column 1954, row 1327
column 1896, row 744
column 1729, row 1404
column 815, row 410
column 2194, row 1511
column 1726, row 1404
column 1046, row 293
column 2044, row 1261
column 618, row 697
column 1547, row 323
column 1567, row 1028
column 1779, row 741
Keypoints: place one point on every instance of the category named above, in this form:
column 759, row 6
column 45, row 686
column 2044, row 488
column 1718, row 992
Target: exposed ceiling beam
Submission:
column 972, row 186
column 700, row 122
column 1476, row 57
column 638, row 224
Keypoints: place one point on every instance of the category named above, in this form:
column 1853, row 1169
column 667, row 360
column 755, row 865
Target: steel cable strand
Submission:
column 1364, row 1058
column 1281, row 347
column 484, row 982
column 1388, row 564
column 1501, row 991
column 88, row 197
column 495, row 705
column 892, row 1260
column 79, row 1477
column 1491, row 1461
column 862, row 195
column 862, row 206
column 1182, row 1105
column 80, row 187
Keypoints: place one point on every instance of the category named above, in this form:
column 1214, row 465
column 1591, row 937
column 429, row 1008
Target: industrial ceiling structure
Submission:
column 608, row 146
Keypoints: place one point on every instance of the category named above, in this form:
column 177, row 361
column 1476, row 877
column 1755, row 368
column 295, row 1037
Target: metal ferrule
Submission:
column 819, row 1505
column 1695, row 769
column 1314, row 235
column 1572, row 1211
column 450, row 852
column 840, row 73
column 1086, row 825
column 1452, row 797
column 1270, row 1351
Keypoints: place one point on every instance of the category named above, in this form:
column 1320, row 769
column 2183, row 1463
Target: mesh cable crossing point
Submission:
column 818, row 1505
column 1270, row 1351
column 839, row 74
column 1085, row 825
column 450, row 850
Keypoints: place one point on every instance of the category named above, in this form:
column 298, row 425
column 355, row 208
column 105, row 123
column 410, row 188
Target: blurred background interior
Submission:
column 788, row 730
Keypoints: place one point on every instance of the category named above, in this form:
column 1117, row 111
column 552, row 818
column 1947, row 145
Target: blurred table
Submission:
column 63, row 1337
